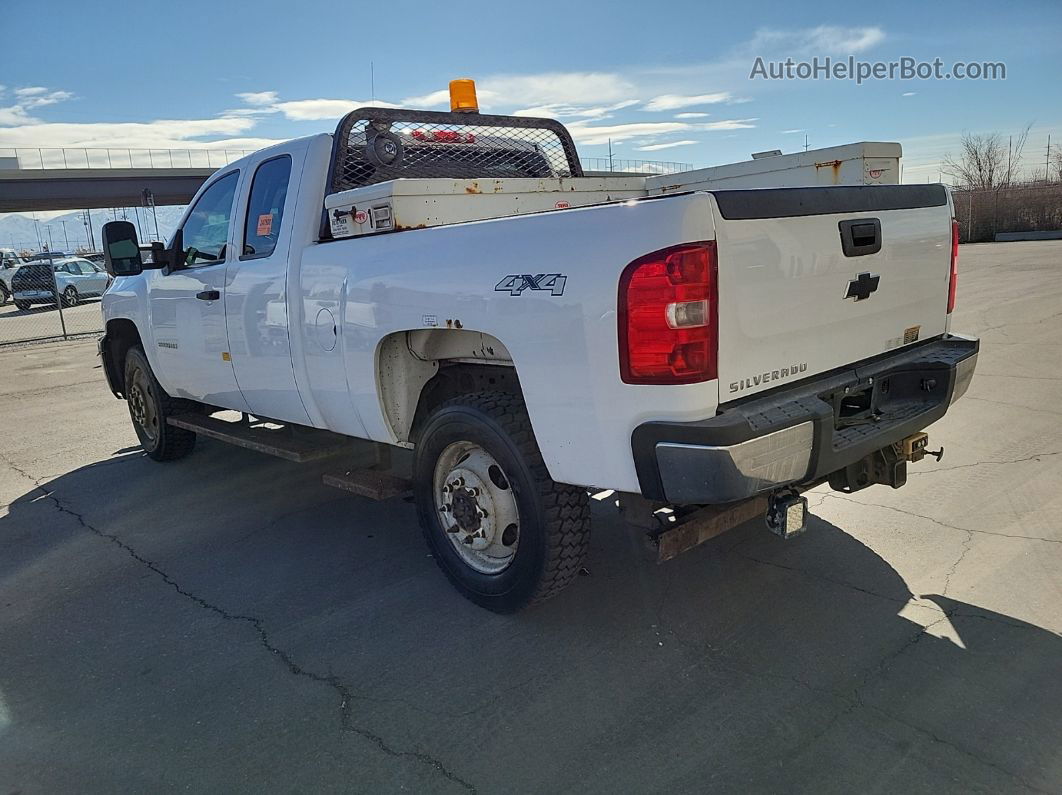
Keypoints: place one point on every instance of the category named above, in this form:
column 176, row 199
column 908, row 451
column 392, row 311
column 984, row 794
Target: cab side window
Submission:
column 265, row 207
column 207, row 228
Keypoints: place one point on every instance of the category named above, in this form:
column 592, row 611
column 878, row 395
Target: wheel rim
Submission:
column 476, row 507
column 71, row 296
column 142, row 407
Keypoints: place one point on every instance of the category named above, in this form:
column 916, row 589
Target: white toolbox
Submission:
column 418, row 203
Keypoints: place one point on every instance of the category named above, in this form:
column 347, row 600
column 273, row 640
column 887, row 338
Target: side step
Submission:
column 371, row 483
column 305, row 445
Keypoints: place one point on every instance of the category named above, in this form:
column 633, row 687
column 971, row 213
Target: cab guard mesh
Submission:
column 379, row 144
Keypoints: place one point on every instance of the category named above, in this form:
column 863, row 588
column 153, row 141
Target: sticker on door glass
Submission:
column 265, row 224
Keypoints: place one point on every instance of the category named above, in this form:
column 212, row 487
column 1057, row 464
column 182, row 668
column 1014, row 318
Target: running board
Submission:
column 371, row 483
column 301, row 446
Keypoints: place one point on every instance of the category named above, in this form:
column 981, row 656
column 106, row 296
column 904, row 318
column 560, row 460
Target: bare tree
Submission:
column 1056, row 164
column 986, row 160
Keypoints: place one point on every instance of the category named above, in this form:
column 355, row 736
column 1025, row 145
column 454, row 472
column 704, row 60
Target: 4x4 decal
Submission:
column 515, row 284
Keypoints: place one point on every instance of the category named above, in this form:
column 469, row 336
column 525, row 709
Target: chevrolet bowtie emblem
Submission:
column 862, row 286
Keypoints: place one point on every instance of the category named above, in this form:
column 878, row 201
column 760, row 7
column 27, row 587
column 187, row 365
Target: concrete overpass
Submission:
column 86, row 179
column 79, row 179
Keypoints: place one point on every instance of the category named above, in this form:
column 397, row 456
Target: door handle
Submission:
column 208, row 295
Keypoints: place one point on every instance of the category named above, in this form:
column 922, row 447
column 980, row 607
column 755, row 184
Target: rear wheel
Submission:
column 22, row 306
column 70, row 296
column 4, row 294
column 149, row 406
column 503, row 532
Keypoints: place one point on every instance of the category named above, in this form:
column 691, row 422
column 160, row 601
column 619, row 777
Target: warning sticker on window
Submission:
column 265, row 224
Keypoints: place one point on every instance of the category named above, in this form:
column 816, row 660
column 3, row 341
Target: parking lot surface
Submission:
column 227, row 623
column 43, row 320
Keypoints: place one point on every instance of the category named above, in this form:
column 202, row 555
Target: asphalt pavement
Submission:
column 228, row 624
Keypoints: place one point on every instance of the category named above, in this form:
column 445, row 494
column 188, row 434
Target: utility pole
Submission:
column 88, row 226
column 1047, row 160
column 149, row 201
column 610, row 154
column 139, row 231
column 805, row 142
column 37, row 229
column 65, row 235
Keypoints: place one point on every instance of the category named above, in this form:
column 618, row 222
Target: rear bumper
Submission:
column 34, row 296
column 792, row 435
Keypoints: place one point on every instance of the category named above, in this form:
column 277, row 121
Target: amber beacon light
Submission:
column 463, row 96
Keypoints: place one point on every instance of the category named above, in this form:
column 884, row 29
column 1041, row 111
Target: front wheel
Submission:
column 503, row 532
column 70, row 296
column 149, row 406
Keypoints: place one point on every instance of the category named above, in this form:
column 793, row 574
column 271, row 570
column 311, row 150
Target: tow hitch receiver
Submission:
column 787, row 514
column 913, row 448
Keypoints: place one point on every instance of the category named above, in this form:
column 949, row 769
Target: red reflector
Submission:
column 953, row 278
column 667, row 316
column 444, row 136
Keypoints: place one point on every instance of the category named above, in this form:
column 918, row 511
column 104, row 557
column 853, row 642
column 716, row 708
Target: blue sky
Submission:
column 664, row 81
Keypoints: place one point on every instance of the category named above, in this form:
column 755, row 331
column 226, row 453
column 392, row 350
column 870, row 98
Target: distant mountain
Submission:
column 20, row 231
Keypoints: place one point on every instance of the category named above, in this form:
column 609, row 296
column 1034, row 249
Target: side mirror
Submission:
column 121, row 251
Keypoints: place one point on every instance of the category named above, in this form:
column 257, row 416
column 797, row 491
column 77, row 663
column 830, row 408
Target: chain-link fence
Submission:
column 50, row 298
column 1028, row 207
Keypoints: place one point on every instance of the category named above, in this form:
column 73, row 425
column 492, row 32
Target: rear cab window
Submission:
column 265, row 207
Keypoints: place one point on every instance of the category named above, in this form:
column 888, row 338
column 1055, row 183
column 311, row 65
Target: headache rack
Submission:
column 374, row 145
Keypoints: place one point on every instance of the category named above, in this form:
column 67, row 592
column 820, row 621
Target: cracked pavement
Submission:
column 227, row 623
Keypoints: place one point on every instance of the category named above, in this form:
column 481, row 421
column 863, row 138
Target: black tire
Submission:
column 4, row 294
column 70, row 297
column 161, row 441
column 554, row 517
column 22, row 306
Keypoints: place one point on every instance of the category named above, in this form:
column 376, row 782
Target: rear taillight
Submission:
column 954, row 277
column 667, row 316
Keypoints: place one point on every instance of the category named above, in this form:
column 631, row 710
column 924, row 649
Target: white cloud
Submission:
column 258, row 98
column 26, row 98
column 539, row 90
column 668, row 145
column 303, row 109
column 821, row 40
column 159, row 134
column 14, row 116
column 909, row 93
column 38, row 96
column 675, row 101
column 794, row 130
column 558, row 111
column 433, row 99
column 691, row 115
column 589, row 134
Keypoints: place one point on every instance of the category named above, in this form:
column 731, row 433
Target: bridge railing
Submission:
column 634, row 166
column 90, row 157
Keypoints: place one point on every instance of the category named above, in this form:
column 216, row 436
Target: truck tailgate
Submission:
column 794, row 300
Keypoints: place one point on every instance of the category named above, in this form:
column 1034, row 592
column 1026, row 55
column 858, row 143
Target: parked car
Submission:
column 71, row 278
column 10, row 261
column 707, row 356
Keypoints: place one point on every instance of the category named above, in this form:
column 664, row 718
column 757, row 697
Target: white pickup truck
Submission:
column 707, row 355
